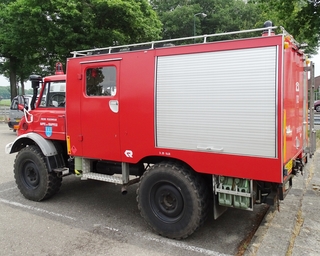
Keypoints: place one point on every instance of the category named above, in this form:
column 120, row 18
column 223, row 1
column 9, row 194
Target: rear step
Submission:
column 84, row 165
column 102, row 177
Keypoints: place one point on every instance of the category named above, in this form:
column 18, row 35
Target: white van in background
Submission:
column 14, row 113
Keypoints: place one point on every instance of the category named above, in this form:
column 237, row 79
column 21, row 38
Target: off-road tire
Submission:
column 173, row 199
column 32, row 175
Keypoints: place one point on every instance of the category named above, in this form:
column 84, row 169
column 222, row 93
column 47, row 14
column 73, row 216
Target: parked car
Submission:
column 317, row 105
column 14, row 113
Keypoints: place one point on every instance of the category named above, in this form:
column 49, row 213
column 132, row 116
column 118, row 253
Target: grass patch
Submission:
column 317, row 134
column 5, row 102
column 317, row 139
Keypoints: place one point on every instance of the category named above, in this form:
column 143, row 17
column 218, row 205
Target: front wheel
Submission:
column 318, row 108
column 32, row 176
column 172, row 199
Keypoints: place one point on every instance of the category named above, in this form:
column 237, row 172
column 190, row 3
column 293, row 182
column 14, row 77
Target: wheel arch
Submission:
column 158, row 159
column 47, row 147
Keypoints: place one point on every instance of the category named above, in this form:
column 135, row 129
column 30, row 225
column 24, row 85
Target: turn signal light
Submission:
column 288, row 37
column 286, row 45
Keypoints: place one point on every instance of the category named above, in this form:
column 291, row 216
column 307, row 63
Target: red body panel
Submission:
column 293, row 103
column 43, row 118
column 126, row 131
column 133, row 127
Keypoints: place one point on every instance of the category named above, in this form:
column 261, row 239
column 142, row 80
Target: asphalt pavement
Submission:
column 294, row 229
column 94, row 218
column 51, row 228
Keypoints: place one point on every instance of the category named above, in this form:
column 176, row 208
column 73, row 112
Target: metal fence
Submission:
column 316, row 119
column 4, row 113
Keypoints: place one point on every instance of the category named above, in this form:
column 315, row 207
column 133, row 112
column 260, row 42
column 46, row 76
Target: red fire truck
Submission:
column 216, row 123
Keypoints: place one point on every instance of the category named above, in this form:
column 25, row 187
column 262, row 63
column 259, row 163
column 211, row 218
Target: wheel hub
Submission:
column 167, row 203
column 31, row 176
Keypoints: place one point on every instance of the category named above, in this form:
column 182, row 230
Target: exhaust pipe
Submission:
column 124, row 190
column 125, row 186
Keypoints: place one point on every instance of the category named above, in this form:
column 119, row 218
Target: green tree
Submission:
column 179, row 16
column 5, row 92
column 231, row 15
column 301, row 18
column 35, row 34
column 180, row 21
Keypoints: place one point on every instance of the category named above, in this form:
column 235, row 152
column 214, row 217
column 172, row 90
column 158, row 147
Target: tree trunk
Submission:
column 13, row 77
column 22, row 87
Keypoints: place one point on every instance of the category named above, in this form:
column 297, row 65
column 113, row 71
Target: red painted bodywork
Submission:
column 97, row 132
column 293, row 103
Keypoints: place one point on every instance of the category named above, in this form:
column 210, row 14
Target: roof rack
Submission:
column 164, row 43
column 292, row 39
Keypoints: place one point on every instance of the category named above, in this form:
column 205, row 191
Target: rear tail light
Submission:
column 25, row 126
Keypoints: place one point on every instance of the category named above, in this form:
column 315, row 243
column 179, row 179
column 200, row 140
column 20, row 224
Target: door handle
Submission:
column 114, row 106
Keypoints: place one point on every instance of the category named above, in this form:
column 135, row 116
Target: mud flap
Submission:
column 285, row 187
column 218, row 210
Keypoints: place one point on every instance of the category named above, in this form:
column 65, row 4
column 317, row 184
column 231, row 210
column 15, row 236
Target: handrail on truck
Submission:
column 152, row 44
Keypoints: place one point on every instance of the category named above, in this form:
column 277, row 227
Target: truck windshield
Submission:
column 53, row 95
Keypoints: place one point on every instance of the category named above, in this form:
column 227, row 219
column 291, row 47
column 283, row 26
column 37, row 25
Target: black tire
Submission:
column 173, row 199
column 317, row 108
column 32, row 176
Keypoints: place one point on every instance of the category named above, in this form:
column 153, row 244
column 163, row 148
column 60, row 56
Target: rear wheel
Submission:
column 32, row 176
column 172, row 199
column 318, row 108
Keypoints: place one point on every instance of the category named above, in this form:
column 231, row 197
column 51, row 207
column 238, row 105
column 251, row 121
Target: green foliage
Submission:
column 180, row 19
column 232, row 15
column 35, row 34
column 5, row 92
column 301, row 18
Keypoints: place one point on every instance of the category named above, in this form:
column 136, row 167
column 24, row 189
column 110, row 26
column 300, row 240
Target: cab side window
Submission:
column 101, row 81
column 54, row 95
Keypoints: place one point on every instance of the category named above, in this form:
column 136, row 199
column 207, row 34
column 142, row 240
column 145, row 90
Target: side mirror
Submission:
column 21, row 107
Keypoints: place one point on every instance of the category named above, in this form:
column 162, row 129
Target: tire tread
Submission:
column 53, row 181
column 199, row 187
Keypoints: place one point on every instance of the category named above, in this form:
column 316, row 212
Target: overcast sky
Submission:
column 316, row 61
column 4, row 81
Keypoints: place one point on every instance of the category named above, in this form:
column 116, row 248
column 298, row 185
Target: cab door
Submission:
column 99, row 108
